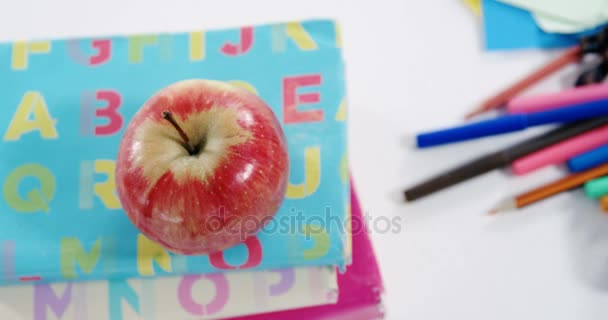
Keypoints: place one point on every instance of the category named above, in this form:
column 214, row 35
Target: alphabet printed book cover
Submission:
column 66, row 103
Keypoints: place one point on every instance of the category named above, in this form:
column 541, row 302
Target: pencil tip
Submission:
column 475, row 112
column 507, row 205
column 484, row 110
column 471, row 114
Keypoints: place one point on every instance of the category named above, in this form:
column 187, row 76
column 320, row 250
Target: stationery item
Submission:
column 187, row 297
column 572, row 181
column 561, row 152
column 589, row 160
column 585, row 14
column 502, row 98
column 593, row 43
column 604, row 203
column 67, row 101
column 502, row 158
column 543, row 102
column 513, row 122
column 597, row 188
column 360, row 287
column 510, row 28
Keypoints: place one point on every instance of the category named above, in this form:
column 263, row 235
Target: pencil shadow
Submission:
column 589, row 242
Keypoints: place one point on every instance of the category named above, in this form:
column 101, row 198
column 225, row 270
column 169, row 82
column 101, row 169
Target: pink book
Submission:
column 360, row 287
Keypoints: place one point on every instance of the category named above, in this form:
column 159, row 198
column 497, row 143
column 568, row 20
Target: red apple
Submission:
column 201, row 166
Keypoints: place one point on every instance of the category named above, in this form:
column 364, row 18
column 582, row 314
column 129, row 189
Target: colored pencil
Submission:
column 561, row 152
column 596, row 188
column 572, row 181
column 512, row 123
column 589, row 159
column 502, row 98
column 542, row 102
column 501, row 158
column 593, row 43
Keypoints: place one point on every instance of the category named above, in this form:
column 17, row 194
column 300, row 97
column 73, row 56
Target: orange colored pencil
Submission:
column 569, row 56
column 604, row 203
column 570, row 182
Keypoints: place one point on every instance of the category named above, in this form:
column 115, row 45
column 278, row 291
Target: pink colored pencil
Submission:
column 561, row 152
column 528, row 104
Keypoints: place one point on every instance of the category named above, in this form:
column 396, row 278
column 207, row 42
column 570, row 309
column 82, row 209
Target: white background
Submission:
column 412, row 66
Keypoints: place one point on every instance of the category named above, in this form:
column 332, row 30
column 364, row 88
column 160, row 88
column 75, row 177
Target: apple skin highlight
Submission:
column 216, row 198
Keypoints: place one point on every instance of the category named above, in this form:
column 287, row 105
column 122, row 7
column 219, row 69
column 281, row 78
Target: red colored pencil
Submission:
column 499, row 100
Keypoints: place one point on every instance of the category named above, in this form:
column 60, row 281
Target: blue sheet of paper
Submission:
column 507, row 27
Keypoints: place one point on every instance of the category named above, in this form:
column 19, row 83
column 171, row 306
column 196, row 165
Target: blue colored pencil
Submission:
column 514, row 122
column 589, row 159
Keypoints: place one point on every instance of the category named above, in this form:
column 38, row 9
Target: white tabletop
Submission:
column 412, row 65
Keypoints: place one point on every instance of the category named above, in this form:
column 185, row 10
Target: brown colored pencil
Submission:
column 569, row 56
column 604, row 203
column 570, row 182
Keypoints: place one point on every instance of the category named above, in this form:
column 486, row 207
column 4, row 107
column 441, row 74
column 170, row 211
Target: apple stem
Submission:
column 169, row 117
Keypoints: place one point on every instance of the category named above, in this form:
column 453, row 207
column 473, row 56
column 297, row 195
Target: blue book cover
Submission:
column 67, row 102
